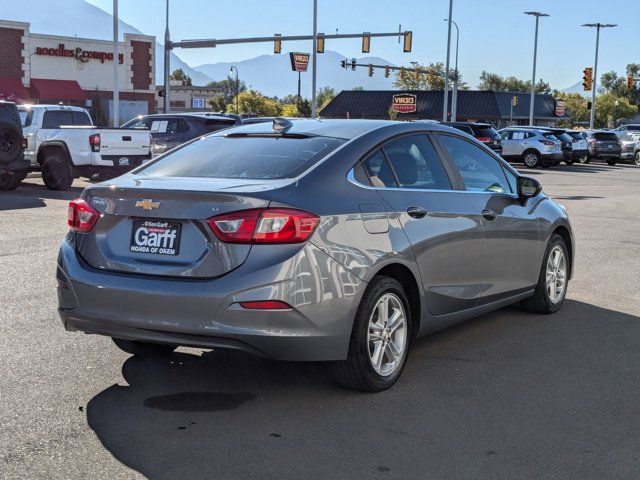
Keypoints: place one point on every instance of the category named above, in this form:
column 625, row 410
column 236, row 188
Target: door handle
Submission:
column 417, row 212
column 489, row 214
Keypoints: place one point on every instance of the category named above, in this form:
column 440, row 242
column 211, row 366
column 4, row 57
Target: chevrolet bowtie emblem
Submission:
column 147, row 204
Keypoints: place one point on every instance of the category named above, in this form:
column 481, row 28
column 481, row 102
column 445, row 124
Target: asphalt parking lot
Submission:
column 507, row 395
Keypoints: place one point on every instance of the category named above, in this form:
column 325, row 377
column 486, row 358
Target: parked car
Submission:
column 64, row 144
column 335, row 240
column 604, row 145
column 630, row 148
column 532, row 147
column 580, row 151
column 566, row 141
column 170, row 130
column 623, row 130
column 483, row 132
column 13, row 166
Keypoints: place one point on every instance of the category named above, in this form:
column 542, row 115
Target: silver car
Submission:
column 338, row 240
column 532, row 147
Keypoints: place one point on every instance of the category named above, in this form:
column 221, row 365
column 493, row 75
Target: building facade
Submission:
column 39, row 68
column 186, row 98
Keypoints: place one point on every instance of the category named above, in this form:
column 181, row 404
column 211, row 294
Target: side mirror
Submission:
column 528, row 187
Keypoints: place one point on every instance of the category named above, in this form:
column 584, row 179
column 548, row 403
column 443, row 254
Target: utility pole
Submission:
column 116, row 64
column 167, row 61
column 597, row 26
column 454, row 97
column 445, row 106
column 314, row 53
column 535, row 58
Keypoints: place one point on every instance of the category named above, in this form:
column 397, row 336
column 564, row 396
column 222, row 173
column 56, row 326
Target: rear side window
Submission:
column 379, row 171
column 259, row 157
column 479, row 170
column 80, row 118
column 56, row 118
column 416, row 163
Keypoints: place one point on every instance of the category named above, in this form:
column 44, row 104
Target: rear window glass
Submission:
column 564, row 137
column 56, row 118
column 26, row 117
column 550, row 136
column 483, row 131
column 576, row 135
column 606, row 136
column 81, row 118
column 633, row 127
column 244, row 157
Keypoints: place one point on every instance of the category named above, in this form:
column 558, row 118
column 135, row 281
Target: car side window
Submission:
column 379, row 171
column 518, row 135
column 478, row 169
column 183, row 126
column 505, row 135
column 512, row 180
column 416, row 163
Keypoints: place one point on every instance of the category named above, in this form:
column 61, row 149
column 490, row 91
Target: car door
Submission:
column 443, row 228
column 511, row 234
column 507, row 143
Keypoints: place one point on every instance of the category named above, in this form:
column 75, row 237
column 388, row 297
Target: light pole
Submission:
column 233, row 67
column 116, row 64
column 314, row 61
column 535, row 57
column 167, row 60
column 445, row 106
column 597, row 26
column 454, row 99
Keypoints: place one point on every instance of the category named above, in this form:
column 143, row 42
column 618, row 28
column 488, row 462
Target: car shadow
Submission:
column 508, row 388
column 32, row 195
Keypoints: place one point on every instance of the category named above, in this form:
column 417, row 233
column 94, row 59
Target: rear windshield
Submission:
column 612, row 137
column 576, row 135
column 633, row 127
column 550, row 136
column 485, row 131
column 564, row 137
column 244, row 157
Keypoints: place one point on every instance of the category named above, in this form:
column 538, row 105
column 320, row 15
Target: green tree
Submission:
column 179, row 75
column 303, row 106
column 227, row 88
column 606, row 108
column 255, row 103
column 218, row 103
column 498, row 83
column 358, row 89
column 98, row 113
column 426, row 77
column 324, row 96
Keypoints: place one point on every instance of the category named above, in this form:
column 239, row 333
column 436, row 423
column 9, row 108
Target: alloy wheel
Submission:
column 556, row 278
column 636, row 159
column 7, row 144
column 387, row 335
column 531, row 160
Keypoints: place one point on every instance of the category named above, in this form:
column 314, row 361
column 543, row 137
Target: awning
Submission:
column 45, row 89
column 12, row 90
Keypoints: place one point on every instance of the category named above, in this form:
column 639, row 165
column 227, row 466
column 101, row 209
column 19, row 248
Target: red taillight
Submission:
column 547, row 142
column 264, row 225
column 94, row 141
column 483, row 139
column 81, row 216
column 25, row 143
column 265, row 305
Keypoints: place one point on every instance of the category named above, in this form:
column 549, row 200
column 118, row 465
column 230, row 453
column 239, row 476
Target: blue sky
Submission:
column 495, row 35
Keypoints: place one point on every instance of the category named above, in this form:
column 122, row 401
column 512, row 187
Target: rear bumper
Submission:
column 580, row 153
column 551, row 158
column 206, row 313
column 19, row 163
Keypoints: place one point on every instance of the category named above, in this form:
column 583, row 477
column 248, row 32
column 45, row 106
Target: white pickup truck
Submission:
column 64, row 144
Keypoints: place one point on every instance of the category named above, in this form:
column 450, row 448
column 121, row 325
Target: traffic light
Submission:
column 343, row 64
column 408, row 38
column 589, row 105
column 353, row 64
column 630, row 82
column 387, row 70
column 587, row 79
column 320, row 44
column 366, row 43
column 370, row 70
column 402, row 73
column 277, row 44
column 515, row 100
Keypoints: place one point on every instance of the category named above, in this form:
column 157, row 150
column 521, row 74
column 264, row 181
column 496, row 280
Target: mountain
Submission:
column 81, row 19
column 576, row 88
column 272, row 74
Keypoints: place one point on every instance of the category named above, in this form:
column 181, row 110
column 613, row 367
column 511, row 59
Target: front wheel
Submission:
column 611, row 162
column 553, row 281
column 636, row 158
column 380, row 338
column 531, row 159
column 569, row 161
column 10, row 180
column 56, row 172
column 143, row 349
column 584, row 160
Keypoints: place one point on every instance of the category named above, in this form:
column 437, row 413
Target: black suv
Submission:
column 604, row 145
column 483, row 132
column 13, row 166
column 170, row 130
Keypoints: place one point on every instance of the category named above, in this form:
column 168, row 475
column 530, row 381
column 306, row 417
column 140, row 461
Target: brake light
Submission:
column 81, row 216
column 266, row 305
column 94, row 141
column 549, row 143
column 264, row 225
column 483, row 139
column 25, row 143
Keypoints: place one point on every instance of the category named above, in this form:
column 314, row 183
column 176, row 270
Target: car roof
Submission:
column 474, row 124
column 188, row 114
column 74, row 108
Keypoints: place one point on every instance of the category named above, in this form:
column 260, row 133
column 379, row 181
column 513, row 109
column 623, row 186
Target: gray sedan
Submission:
column 339, row 240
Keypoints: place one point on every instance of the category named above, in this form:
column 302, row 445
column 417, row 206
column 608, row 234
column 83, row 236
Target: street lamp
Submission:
column 454, row 99
column 598, row 26
column 233, row 67
column 445, row 106
column 535, row 55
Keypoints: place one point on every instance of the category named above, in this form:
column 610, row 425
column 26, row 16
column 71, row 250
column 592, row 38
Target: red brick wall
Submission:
column 11, row 52
column 141, row 56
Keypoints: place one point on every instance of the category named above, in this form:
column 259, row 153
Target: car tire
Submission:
column 143, row 349
column 611, row 162
column 531, row 159
column 56, row 172
column 10, row 144
column 542, row 300
column 584, row 160
column 636, row 159
column 372, row 340
column 10, row 180
column 569, row 162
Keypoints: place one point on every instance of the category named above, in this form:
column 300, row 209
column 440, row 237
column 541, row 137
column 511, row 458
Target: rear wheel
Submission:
column 379, row 342
column 10, row 144
column 143, row 349
column 531, row 159
column 569, row 161
column 584, row 159
column 56, row 172
column 636, row 158
column 553, row 281
column 11, row 180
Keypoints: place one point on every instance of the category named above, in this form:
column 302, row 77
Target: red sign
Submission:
column 78, row 53
column 404, row 103
column 299, row 61
column 561, row 108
